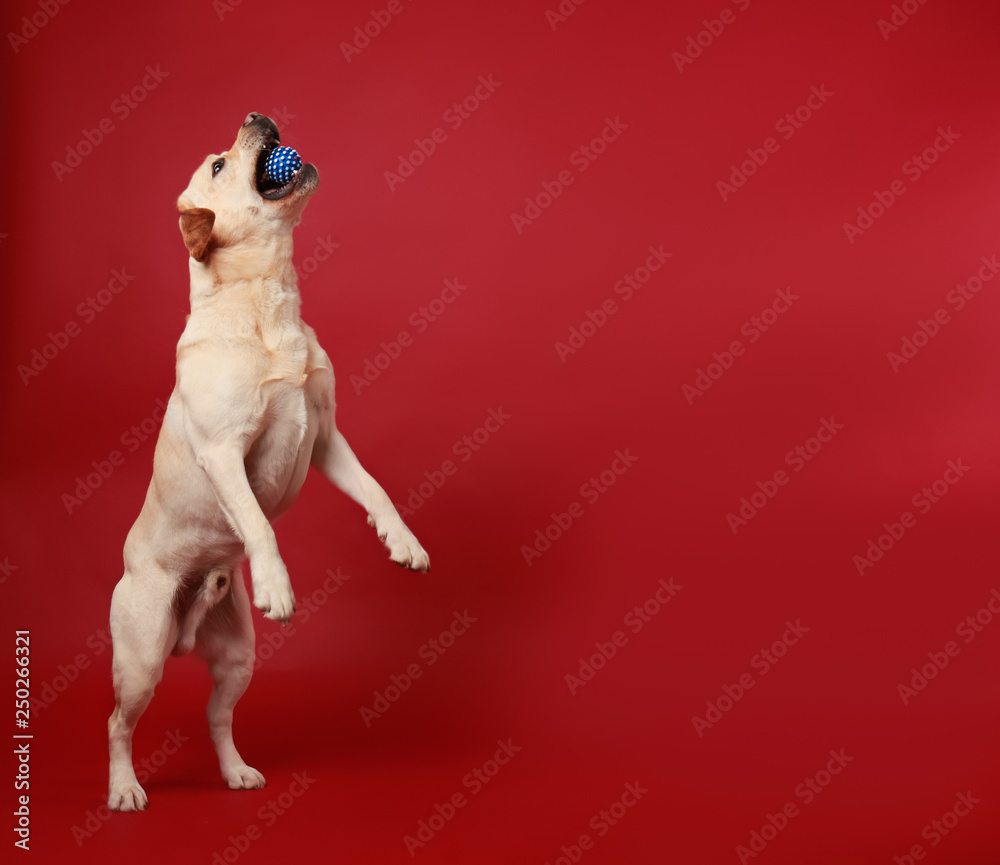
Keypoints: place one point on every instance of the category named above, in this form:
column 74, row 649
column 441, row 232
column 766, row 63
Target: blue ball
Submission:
column 282, row 164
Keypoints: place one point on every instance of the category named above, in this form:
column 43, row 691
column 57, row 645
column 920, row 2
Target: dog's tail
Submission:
column 213, row 589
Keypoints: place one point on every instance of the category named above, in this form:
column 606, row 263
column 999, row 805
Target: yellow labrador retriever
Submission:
column 252, row 408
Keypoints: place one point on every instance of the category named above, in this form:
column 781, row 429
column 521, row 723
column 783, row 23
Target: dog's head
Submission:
column 231, row 202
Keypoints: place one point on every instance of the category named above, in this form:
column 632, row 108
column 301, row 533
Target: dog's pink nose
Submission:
column 251, row 117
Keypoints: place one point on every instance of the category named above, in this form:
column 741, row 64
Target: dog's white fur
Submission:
column 252, row 408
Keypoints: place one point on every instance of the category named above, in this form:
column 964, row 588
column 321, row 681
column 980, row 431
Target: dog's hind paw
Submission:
column 127, row 797
column 243, row 777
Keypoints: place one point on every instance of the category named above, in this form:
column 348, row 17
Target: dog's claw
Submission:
column 409, row 555
column 404, row 548
column 243, row 778
column 131, row 798
column 279, row 607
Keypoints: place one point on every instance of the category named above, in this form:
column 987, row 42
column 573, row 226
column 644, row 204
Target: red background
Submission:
column 495, row 347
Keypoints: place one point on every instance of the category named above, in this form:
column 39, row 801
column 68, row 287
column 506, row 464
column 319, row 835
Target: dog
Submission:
column 251, row 410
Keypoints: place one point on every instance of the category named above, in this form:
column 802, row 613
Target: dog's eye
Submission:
column 217, row 166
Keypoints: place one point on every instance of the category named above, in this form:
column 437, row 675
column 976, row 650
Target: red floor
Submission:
column 682, row 366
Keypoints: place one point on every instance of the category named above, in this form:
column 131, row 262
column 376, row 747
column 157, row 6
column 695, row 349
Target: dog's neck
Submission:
column 260, row 273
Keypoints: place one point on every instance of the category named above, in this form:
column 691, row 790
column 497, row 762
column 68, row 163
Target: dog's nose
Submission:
column 265, row 124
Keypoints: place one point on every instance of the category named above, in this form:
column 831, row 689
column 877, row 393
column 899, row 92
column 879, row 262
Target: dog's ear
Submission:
column 196, row 228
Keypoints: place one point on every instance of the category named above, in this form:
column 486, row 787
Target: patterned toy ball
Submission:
column 282, row 164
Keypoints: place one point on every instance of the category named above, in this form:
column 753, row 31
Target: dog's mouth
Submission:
column 268, row 187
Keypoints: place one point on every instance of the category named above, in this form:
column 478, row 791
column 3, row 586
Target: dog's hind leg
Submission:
column 226, row 642
column 143, row 630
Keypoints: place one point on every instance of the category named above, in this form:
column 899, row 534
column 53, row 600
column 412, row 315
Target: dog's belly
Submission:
column 276, row 467
column 278, row 460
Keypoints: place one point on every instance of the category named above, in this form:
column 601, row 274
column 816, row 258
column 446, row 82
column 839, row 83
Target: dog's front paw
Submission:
column 405, row 551
column 410, row 555
column 127, row 797
column 276, row 604
column 404, row 548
